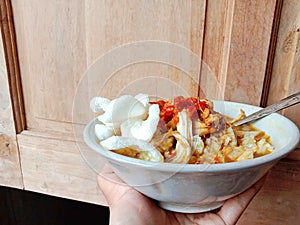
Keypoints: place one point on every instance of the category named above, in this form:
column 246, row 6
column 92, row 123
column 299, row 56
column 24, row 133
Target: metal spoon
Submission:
column 282, row 104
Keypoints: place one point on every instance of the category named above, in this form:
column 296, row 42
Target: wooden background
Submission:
column 251, row 47
column 10, row 171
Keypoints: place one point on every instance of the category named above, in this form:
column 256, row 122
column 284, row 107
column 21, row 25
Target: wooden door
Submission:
column 59, row 41
column 10, row 168
column 285, row 79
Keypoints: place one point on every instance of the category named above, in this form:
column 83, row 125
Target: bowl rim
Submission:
column 207, row 168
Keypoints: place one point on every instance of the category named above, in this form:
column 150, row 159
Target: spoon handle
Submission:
column 282, row 104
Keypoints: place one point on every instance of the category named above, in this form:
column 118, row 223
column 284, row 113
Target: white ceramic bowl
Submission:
column 198, row 188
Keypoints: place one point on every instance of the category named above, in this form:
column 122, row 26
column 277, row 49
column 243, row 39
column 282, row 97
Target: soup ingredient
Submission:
column 99, row 104
column 123, row 108
column 102, row 132
column 132, row 146
column 183, row 151
column 180, row 130
column 142, row 129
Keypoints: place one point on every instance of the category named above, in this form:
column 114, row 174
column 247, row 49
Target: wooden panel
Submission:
column 241, row 38
column 278, row 202
column 10, row 170
column 217, row 39
column 179, row 22
column 139, row 56
column 286, row 68
column 54, row 166
column 12, row 64
column 71, row 35
column 272, row 50
column 236, row 46
column 51, row 71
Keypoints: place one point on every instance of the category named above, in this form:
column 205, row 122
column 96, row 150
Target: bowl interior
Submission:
column 283, row 132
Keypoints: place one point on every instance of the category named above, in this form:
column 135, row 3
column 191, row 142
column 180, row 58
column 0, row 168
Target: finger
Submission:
column 234, row 207
column 108, row 174
column 110, row 184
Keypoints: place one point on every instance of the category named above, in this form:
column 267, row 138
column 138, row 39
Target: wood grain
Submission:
column 236, row 46
column 271, row 54
column 69, row 44
column 278, row 202
column 285, row 74
column 12, row 64
column 286, row 68
column 57, row 28
column 216, row 48
column 249, row 47
column 10, row 168
column 71, row 36
column 54, row 166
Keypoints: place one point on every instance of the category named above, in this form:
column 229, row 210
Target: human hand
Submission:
column 129, row 207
